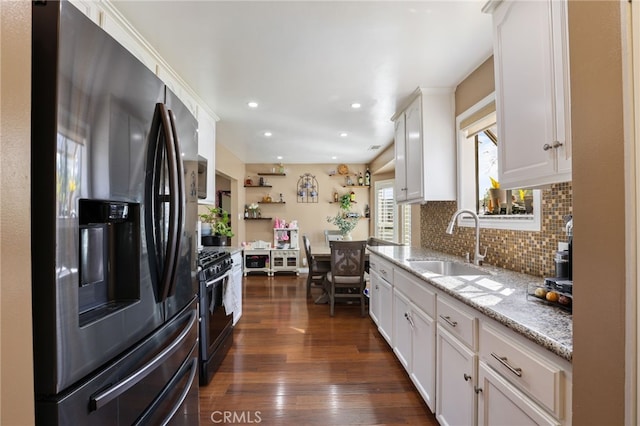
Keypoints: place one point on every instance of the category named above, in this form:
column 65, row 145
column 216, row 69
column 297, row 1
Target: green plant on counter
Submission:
column 219, row 220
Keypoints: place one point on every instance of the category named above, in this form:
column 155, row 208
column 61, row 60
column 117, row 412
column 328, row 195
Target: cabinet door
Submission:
column 456, row 376
column 374, row 296
column 385, row 326
column 414, row 151
column 402, row 332
column 423, row 355
column 499, row 403
column 207, row 149
column 529, row 93
column 400, row 157
column 236, row 282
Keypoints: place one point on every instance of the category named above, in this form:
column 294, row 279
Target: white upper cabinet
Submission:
column 400, row 156
column 532, row 92
column 207, row 150
column 425, row 147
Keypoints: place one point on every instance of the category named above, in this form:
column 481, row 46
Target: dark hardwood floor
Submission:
column 291, row 363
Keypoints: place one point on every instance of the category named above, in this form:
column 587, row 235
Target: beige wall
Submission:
column 480, row 83
column 311, row 217
column 230, row 169
column 16, row 350
column 598, row 191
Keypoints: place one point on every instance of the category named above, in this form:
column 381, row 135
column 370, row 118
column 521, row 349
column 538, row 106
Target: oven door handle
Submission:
column 220, row 278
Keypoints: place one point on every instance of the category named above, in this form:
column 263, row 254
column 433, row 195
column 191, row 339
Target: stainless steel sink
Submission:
column 445, row 267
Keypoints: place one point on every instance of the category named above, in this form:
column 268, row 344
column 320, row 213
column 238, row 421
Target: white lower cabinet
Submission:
column 455, row 381
column 414, row 333
column 236, row 282
column 385, row 324
column 402, row 329
column 374, row 296
column 423, row 355
column 469, row 369
column 381, row 296
column 527, row 373
column 500, row 403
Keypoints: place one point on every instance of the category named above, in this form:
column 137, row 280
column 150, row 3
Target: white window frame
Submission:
column 399, row 212
column 467, row 184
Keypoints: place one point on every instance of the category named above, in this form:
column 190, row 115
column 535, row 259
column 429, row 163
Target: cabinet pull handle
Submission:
column 466, row 377
column 408, row 317
column 377, row 287
column 477, row 389
column 448, row 320
column 547, row 146
column 503, row 360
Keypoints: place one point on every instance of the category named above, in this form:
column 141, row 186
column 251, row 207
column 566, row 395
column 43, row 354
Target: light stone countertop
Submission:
column 500, row 295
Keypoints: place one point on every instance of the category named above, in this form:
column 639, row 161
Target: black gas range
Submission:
column 216, row 325
column 213, row 262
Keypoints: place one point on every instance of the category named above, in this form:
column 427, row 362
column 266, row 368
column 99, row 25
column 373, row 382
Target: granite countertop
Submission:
column 500, row 295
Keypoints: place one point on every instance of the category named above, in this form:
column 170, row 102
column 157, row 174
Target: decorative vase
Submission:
column 347, row 237
column 205, row 229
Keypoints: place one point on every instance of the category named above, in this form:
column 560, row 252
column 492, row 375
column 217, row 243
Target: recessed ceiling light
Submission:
column 344, row 134
column 355, row 105
column 334, row 157
column 252, row 104
column 279, row 157
column 267, row 134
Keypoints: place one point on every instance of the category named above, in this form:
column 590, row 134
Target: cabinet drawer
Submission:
column 416, row 290
column 529, row 372
column 382, row 267
column 455, row 319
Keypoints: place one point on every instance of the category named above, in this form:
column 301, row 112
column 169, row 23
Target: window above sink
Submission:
column 478, row 172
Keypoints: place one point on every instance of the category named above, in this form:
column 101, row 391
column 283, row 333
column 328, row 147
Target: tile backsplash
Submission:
column 522, row 251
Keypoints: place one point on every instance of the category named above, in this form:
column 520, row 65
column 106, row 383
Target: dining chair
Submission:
column 317, row 270
column 332, row 235
column 346, row 280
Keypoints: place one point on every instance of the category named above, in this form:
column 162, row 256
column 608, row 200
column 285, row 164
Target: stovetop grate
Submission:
column 213, row 262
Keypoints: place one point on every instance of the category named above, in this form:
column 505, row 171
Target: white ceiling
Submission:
column 306, row 62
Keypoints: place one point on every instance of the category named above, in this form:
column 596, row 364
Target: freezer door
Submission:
column 156, row 383
column 92, row 107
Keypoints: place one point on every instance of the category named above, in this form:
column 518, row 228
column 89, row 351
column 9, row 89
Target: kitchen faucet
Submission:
column 477, row 257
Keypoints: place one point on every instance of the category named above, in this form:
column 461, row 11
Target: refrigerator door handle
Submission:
column 102, row 398
column 164, row 258
column 179, row 200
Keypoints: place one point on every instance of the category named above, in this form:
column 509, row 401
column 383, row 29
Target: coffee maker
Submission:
column 563, row 279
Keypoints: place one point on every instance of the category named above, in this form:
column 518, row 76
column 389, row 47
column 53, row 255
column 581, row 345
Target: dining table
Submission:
column 322, row 255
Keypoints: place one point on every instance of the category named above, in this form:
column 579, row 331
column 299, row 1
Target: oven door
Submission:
column 215, row 324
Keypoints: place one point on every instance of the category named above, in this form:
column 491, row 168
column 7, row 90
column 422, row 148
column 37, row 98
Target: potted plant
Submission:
column 498, row 196
column 218, row 219
column 345, row 220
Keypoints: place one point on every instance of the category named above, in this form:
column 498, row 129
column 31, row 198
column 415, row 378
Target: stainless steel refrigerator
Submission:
column 114, row 208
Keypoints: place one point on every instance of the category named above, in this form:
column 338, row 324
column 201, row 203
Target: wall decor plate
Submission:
column 343, row 169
